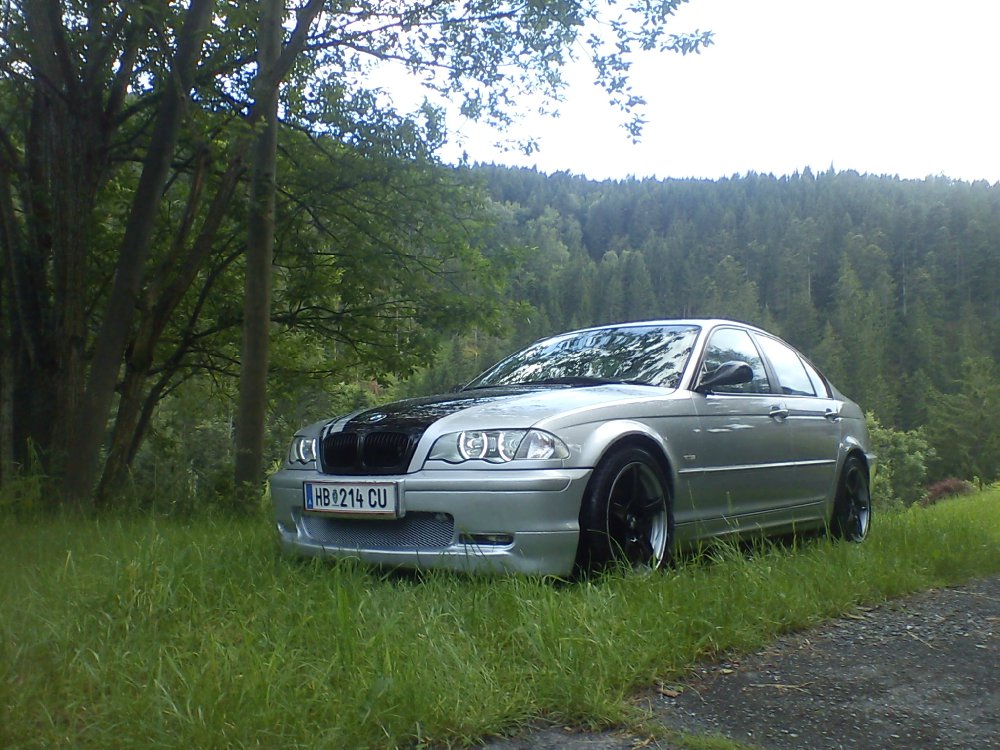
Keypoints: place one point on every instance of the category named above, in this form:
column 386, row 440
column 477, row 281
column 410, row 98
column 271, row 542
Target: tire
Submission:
column 626, row 517
column 852, row 507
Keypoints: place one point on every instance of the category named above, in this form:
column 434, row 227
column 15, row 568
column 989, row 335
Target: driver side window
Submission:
column 731, row 344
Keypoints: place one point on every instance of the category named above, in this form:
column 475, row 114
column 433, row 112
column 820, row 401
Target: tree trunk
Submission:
column 252, row 409
column 47, row 250
column 87, row 428
column 6, row 392
column 7, row 230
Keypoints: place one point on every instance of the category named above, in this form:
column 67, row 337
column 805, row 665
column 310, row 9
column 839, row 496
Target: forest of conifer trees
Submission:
column 891, row 286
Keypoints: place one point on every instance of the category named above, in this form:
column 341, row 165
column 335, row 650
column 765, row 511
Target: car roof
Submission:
column 700, row 322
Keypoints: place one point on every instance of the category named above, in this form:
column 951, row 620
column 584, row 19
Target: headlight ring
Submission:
column 303, row 450
column 497, row 446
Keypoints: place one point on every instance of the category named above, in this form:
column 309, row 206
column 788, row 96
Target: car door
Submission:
column 813, row 419
column 743, row 466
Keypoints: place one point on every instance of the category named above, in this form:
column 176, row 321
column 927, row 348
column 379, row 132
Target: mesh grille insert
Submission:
column 414, row 531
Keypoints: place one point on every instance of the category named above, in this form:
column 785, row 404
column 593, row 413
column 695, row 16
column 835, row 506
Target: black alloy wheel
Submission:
column 626, row 514
column 852, row 508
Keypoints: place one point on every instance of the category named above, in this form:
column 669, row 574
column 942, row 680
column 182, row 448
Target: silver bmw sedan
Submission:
column 604, row 446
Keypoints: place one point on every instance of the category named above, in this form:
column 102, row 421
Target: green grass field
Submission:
column 145, row 632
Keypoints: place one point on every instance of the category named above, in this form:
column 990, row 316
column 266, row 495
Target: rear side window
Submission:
column 819, row 384
column 732, row 344
column 788, row 366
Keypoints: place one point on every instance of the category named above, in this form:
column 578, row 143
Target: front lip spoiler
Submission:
column 531, row 553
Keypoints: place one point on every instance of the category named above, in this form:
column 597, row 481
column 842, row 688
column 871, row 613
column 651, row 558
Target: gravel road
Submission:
column 916, row 673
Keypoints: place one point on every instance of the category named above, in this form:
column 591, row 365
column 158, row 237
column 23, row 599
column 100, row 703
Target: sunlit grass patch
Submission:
column 125, row 632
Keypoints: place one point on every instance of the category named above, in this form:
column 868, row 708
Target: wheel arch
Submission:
column 612, row 437
column 855, row 450
column 592, row 550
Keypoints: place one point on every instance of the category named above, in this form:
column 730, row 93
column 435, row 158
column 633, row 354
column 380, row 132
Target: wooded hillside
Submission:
column 891, row 286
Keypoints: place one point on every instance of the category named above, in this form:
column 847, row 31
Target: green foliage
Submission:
column 901, row 460
column 727, row 292
column 882, row 282
column 120, row 632
column 185, row 464
column 125, row 131
column 23, row 488
column 862, row 317
column 962, row 424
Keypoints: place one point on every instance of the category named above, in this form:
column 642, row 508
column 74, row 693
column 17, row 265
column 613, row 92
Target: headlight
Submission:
column 497, row 446
column 541, row 445
column 303, row 450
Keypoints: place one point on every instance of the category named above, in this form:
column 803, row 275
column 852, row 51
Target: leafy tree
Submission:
column 902, row 458
column 125, row 132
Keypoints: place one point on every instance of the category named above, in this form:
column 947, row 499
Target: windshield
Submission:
column 647, row 355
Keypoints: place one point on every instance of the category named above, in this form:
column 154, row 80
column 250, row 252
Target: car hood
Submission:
column 507, row 406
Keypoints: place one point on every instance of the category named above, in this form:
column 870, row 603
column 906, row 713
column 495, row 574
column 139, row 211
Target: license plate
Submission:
column 352, row 498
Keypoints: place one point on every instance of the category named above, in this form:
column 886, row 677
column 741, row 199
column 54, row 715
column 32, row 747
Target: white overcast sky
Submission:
column 897, row 87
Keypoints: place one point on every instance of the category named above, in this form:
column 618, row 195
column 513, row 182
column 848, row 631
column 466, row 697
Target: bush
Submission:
column 901, row 459
column 186, row 461
column 24, row 489
column 950, row 487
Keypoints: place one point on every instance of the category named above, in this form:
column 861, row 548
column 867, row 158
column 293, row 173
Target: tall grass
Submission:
column 144, row 632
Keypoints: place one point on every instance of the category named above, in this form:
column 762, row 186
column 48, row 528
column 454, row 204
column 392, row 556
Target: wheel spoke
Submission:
column 618, row 507
column 635, row 491
column 624, row 494
column 618, row 510
column 650, row 507
column 854, row 485
column 634, row 523
column 640, row 551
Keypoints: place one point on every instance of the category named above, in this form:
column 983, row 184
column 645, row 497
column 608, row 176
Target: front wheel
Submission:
column 852, row 508
column 626, row 514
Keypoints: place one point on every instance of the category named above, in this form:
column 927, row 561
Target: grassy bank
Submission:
column 142, row 632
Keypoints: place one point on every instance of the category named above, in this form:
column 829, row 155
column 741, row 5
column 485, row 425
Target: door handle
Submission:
column 832, row 414
column 778, row 413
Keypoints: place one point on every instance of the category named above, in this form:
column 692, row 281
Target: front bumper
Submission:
column 525, row 521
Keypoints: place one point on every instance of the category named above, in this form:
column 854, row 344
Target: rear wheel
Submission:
column 626, row 513
column 852, row 508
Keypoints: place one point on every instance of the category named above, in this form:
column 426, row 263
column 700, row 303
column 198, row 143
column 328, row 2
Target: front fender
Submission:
column 594, row 442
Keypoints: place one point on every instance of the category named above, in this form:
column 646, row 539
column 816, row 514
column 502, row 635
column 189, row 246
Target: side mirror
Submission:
column 728, row 373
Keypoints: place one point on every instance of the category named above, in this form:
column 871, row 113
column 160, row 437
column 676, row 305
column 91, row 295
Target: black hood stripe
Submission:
column 419, row 413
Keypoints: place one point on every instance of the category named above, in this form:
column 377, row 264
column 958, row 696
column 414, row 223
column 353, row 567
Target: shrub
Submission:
column 901, row 463
column 186, row 461
column 24, row 489
column 950, row 487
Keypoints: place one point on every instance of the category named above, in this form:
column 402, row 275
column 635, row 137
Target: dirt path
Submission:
column 917, row 673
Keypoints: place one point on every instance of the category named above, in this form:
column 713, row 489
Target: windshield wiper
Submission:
column 568, row 380
column 579, row 380
column 585, row 380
